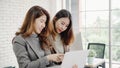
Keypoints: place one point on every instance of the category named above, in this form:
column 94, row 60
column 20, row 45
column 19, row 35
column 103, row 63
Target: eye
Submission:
column 41, row 21
column 62, row 23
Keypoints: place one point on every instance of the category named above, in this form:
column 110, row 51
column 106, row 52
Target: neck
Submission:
column 33, row 32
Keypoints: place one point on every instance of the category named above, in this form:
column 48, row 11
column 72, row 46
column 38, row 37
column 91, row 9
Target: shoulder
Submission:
column 18, row 39
column 50, row 37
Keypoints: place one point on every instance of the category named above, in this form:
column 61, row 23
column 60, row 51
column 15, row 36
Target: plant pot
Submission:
column 90, row 60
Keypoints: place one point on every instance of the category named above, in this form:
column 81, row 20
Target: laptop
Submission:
column 75, row 57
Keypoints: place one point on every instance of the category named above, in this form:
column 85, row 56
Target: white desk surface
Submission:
column 96, row 62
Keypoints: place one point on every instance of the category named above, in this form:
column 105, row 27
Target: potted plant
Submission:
column 91, row 56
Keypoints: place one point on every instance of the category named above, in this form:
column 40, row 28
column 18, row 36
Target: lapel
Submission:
column 34, row 48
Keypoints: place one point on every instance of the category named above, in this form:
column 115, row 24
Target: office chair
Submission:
column 100, row 50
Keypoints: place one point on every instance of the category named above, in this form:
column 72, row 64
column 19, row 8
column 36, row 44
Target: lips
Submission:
column 59, row 30
column 40, row 29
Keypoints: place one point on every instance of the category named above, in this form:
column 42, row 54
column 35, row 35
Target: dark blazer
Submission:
column 28, row 54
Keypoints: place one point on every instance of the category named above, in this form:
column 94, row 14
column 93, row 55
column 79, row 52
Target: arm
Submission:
column 19, row 47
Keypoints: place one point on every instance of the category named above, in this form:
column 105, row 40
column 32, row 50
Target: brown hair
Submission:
column 29, row 21
column 67, row 36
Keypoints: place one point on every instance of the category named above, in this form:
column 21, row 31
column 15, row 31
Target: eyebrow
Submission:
column 64, row 22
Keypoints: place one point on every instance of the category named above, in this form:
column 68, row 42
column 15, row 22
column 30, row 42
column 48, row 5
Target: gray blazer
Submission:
column 28, row 54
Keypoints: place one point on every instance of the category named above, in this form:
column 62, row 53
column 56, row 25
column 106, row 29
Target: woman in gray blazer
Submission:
column 31, row 45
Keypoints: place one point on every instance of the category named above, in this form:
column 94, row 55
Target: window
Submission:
column 94, row 24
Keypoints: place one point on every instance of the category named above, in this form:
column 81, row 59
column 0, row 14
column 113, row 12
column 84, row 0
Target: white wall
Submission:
column 12, row 13
column 56, row 5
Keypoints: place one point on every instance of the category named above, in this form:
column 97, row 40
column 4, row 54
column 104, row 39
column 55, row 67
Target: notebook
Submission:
column 75, row 57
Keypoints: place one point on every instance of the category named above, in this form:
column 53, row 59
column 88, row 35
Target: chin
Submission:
column 38, row 32
column 59, row 32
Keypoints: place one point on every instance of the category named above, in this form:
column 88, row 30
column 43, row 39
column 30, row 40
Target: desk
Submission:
column 96, row 63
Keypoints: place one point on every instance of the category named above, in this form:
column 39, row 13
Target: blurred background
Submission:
column 95, row 20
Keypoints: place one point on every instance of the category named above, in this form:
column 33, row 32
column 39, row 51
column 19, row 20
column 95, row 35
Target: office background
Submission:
column 12, row 13
column 91, row 20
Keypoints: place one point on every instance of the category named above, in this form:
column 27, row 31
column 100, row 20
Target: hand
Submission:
column 55, row 57
column 75, row 66
column 61, row 57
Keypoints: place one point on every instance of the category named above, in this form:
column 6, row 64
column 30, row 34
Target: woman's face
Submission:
column 40, row 23
column 62, row 24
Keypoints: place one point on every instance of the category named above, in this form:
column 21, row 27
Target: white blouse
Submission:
column 58, row 45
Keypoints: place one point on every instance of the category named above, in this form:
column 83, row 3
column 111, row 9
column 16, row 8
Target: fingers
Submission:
column 55, row 57
column 75, row 66
column 61, row 54
column 59, row 57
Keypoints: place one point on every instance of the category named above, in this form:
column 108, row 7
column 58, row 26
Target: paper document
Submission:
column 75, row 57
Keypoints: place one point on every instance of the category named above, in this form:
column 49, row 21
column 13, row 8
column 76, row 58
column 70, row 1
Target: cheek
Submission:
column 39, row 25
column 36, row 28
column 65, row 28
column 58, row 25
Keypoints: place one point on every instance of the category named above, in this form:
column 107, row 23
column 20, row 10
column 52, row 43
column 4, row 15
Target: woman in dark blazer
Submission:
column 31, row 45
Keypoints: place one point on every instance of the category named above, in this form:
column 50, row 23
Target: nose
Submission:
column 43, row 25
column 63, row 28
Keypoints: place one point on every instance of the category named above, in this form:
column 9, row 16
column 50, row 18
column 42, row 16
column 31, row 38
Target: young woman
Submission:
column 30, row 44
column 62, row 32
